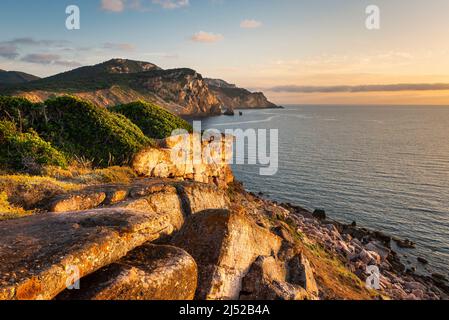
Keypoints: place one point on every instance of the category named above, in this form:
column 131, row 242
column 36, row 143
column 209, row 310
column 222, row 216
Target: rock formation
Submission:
column 149, row 272
column 187, row 157
column 232, row 97
column 120, row 81
column 167, row 236
column 224, row 244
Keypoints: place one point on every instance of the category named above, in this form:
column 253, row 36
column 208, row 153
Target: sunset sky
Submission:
column 277, row 46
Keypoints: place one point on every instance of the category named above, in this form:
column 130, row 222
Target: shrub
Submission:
column 26, row 151
column 154, row 121
column 21, row 111
column 84, row 130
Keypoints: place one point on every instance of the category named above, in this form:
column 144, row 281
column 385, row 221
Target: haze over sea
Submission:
column 385, row 167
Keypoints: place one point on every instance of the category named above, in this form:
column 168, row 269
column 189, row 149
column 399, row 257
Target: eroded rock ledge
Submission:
column 169, row 239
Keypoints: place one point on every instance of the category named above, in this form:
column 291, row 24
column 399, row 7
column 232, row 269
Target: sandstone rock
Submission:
column 266, row 280
column 198, row 197
column 147, row 273
column 187, row 157
column 224, row 244
column 301, row 273
column 37, row 252
column 161, row 200
column 77, row 202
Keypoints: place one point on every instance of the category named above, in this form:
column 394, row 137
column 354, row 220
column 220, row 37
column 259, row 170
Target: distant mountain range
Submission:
column 15, row 77
column 117, row 81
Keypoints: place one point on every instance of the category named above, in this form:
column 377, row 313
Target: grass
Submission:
column 24, row 194
column 337, row 281
column 7, row 211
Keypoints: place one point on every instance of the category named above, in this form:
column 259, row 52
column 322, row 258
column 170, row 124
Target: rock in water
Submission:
column 147, row 273
column 38, row 254
column 319, row 214
column 224, row 244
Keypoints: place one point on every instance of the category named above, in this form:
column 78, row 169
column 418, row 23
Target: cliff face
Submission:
column 233, row 97
column 119, row 81
column 171, row 236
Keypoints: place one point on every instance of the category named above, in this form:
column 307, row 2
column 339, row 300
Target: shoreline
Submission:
column 375, row 247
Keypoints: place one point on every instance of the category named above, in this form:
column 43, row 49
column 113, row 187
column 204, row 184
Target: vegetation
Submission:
column 26, row 151
column 154, row 121
column 78, row 128
column 7, row 211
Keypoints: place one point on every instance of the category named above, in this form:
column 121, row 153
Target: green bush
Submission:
column 26, row 151
column 154, row 121
column 77, row 128
column 85, row 130
column 21, row 111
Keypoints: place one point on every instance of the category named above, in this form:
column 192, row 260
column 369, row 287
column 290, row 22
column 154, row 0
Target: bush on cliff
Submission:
column 21, row 111
column 78, row 128
column 154, row 121
column 26, row 151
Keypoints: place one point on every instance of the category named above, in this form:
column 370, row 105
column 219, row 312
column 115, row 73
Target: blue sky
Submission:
column 254, row 43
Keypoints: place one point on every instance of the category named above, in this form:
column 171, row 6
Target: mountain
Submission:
column 233, row 97
column 119, row 81
column 15, row 77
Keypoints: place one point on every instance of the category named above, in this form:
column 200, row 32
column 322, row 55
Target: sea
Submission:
column 385, row 167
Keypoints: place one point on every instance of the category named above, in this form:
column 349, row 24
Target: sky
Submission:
column 296, row 51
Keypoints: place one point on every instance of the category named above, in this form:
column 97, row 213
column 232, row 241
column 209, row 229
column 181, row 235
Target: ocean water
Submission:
column 387, row 168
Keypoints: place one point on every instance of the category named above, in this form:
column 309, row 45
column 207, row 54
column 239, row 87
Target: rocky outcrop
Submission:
column 77, row 201
column 266, row 280
column 232, row 97
column 186, row 157
column 224, row 244
column 147, row 273
column 38, row 252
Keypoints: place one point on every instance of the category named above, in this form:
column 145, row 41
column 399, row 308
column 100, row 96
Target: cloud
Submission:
column 172, row 4
column 361, row 88
column 8, row 51
column 250, row 24
column 206, row 37
column 113, row 5
column 48, row 59
column 137, row 5
column 119, row 46
column 27, row 41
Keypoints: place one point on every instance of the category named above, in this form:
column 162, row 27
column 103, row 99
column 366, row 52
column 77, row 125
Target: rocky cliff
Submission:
column 119, row 81
column 232, row 97
column 169, row 237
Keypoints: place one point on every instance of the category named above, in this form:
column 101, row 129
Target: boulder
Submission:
column 37, row 253
column 198, row 197
column 188, row 157
column 158, row 199
column 147, row 273
column 267, row 280
column 224, row 244
column 319, row 214
column 77, row 202
column 301, row 273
